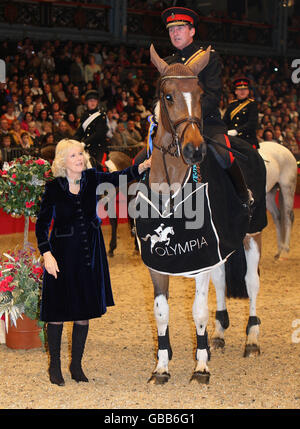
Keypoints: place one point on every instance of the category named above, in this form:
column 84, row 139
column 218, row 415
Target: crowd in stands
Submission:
column 43, row 98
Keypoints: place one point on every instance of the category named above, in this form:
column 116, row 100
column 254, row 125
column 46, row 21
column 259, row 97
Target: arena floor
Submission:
column 121, row 346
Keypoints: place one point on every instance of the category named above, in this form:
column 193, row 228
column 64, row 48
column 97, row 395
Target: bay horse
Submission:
column 181, row 155
column 281, row 168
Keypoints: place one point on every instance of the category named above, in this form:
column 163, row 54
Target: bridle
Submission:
column 174, row 148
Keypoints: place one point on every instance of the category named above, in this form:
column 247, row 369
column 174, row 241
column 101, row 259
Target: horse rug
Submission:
column 197, row 229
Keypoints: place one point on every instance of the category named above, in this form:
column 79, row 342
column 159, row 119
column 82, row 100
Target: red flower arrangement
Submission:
column 20, row 284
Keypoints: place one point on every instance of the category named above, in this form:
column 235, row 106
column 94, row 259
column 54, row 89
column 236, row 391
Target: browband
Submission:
column 179, row 77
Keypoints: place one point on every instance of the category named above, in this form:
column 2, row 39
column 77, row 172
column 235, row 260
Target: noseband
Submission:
column 174, row 148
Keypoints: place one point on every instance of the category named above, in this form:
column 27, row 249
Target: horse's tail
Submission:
column 146, row 238
column 235, row 269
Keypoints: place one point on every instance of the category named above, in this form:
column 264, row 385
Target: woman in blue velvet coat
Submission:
column 76, row 283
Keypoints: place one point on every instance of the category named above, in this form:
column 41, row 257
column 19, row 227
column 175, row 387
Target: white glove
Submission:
column 145, row 165
column 232, row 133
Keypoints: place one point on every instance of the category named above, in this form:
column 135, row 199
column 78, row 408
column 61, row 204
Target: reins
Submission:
column 229, row 149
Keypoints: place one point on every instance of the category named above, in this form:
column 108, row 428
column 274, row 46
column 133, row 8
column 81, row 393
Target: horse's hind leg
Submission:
column 275, row 213
column 222, row 320
column 252, row 253
column 286, row 201
column 161, row 311
column 200, row 315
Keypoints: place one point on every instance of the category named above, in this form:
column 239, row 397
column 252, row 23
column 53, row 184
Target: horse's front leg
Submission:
column 252, row 252
column 161, row 312
column 218, row 278
column 200, row 315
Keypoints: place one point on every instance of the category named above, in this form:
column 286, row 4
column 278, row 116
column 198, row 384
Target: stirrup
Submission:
column 249, row 204
column 250, row 197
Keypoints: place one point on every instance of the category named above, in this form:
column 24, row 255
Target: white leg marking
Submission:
column 252, row 283
column 200, row 315
column 252, row 278
column 219, row 280
column 161, row 312
column 200, row 308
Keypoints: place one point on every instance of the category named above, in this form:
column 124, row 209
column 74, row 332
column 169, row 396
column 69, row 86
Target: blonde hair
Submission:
column 61, row 151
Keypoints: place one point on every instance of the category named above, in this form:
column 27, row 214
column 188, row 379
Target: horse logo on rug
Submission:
column 160, row 236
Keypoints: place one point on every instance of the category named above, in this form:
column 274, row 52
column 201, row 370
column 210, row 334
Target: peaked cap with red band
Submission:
column 179, row 16
column 241, row 83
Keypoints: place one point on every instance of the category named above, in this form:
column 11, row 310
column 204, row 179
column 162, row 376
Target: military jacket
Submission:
column 209, row 79
column 242, row 115
column 92, row 131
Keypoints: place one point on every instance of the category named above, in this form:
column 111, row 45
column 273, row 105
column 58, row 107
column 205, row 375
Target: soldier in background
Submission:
column 93, row 129
column 241, row 116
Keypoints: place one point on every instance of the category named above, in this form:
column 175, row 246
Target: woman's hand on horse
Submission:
column 145, row 165
column 50, row 264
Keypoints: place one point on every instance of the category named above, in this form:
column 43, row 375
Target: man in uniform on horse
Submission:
column 93, row 129
column 181, row 24
column 241, row 116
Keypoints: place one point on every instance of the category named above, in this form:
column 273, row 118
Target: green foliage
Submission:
column 22, row 185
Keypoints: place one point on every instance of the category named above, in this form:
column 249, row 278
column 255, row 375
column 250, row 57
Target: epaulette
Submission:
column 193, row 58
column 251, row 99
column 204, row 49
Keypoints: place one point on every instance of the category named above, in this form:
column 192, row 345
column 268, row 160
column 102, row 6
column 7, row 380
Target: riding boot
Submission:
column 54, row 332
column 79, row 336
column 238, row 181
column 233, row 170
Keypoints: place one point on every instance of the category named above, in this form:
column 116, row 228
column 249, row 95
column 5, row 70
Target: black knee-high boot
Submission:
column 239, row 184
column 54, row 332
column 79, row 336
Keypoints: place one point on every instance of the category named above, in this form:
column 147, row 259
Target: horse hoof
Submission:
column 160, row 379
column 201, row 376
column 251, row 350
column 217, row 343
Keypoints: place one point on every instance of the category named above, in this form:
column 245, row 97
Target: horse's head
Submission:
column 179, row 107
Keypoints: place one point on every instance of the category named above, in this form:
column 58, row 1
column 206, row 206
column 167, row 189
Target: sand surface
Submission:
column 121, row 346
